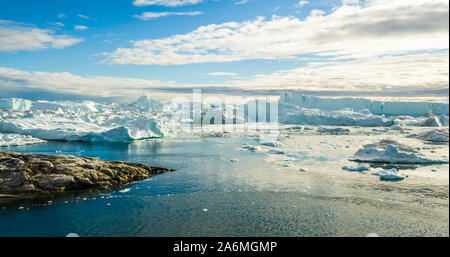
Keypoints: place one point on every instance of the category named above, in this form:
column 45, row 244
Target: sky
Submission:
column 103, row 49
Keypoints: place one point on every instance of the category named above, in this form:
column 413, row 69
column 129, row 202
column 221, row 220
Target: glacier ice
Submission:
column 361, row 104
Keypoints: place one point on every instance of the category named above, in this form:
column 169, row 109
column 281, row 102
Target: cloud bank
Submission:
column 15, row 36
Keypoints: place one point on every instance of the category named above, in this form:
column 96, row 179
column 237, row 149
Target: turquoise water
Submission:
column 209, row 195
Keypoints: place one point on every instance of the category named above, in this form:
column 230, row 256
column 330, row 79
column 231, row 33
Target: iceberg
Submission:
column 390, row 175
column 18, row 140
column 435, row 136
column 333, row 130
column 15, row 104
column 302, row 116
column 392, row 155
column 360, row 167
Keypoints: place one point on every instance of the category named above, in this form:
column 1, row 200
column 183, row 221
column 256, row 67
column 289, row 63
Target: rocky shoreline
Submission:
column 22, row 174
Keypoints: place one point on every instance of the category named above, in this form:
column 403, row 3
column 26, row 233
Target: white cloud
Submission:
column 15, row 36
column 169, row 3
column 80, row 27
column 84, row 16
column 153, row 15
column 399, row 76
column 301, row 3
column 242, row 2
column 62, row 16
column 220, row 74
column 350, row 31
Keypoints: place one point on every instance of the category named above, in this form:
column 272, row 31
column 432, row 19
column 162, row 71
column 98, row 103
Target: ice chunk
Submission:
column 390, row 155
column 252, row 148
column 17, row 140
column 234, row 160
column 333, row 130
column 302, row 169
column 273, row 143
column 360, row 167
column 437, row 136
column 72, row 235
column 275, row 151
column 391, row 175
column 15, row 104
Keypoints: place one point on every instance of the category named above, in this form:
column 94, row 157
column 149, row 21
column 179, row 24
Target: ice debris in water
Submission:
column 302, row 169
column 125, row 190
column 72, row 235
column 273, row 143
column 234, row 160
column 360, row 167
column 252, row 148
column 390, row 154
column 436, row 136
column 391, row 174
column 333, row 130
column 276, row 151
column 372, row 235
column 284, row 165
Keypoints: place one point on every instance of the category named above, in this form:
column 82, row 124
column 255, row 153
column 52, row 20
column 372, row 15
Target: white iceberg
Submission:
column 333, row 130
column 436, row 136
column 359, row 168
column 391, row 154
column 18, row 140
column 391, row 175
column 15, row 104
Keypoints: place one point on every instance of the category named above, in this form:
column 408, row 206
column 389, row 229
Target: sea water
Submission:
column 218, row 189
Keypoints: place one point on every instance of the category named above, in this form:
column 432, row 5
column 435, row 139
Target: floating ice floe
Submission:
column 18, row 140
column 436, row 136
column 72, row 235
column 391, row 154
column 333, row 130
column 272, row 143
column 276, row 151
column 302, row 169
column 284, row 164
column 253, row 148
column 391, row 175
column 360, row 167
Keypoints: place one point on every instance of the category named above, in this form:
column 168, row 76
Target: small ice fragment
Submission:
column 72, row 235
column 234, row 160
column 391, row 175
column 372, row 235
column 125, row 190
column 205, row 210
column 108, row 204
column 20, row 208
column 285, row 164
column 333, row 130
column 274, row 143
column 360, row 167
column 302, row 169
column 275, row 151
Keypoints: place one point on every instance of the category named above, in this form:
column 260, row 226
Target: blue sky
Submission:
column 315, row 46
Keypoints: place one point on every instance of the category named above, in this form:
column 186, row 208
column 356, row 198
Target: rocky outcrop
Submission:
column 40, row 173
